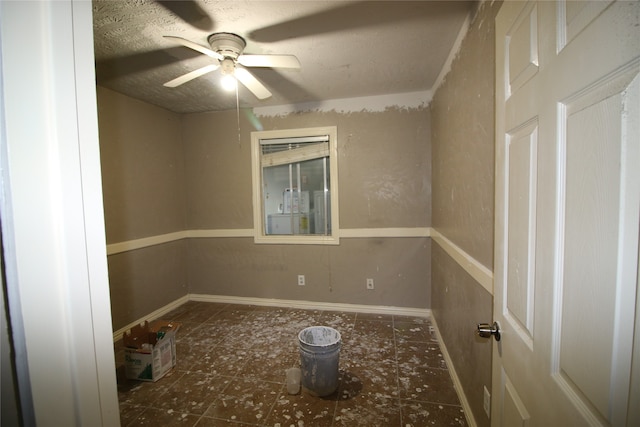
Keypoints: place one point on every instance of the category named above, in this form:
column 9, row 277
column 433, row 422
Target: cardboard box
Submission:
column 150, row 350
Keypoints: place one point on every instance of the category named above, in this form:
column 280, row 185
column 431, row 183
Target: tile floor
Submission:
column 231, row 372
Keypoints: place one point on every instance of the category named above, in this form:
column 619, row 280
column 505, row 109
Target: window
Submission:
column 295, row 186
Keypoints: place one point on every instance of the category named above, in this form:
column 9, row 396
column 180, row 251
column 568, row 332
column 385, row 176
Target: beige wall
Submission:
column 164, row 172
column 384, row 179
column 335, row 274
column 463, row 188
column 142, row 168
column 143, row 186
column 384, row 162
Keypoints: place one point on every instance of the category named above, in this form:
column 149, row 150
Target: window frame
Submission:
column 259, row 226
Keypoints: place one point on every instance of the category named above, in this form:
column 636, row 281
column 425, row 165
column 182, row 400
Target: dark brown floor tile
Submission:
column 350, row 384
column 205, row 334
column 311, row 317
column 235, row 313
column 129, row 413
column 236, row 307
column 417, row 319
column 228, row 362
column 374, row 328
column 420, row 354
column 302, row 409
column 214, row 422
column 363, row 347
column 232, row 358
column 338, row 320
column 412, row 331
column 194, row 312
column 268, row 308
column 192, row 393
column 368, row 410
column 159, row 417
column 194, row 356
column 418, row 414
column 268, row 314
column 245, row 400
column 269, row 364
column 244, row 338
column 374, row 316
column 192, row 306
column 186, row 328
column 144, row 393
column 427, row 384
column 366, row 378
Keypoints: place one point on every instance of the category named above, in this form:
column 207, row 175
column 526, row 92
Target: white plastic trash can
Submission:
column 319, row 357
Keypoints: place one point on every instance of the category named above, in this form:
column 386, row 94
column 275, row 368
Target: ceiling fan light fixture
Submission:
column 228, row 45
column 228, row 82
column 227, row 50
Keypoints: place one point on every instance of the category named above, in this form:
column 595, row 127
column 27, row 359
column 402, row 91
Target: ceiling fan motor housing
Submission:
column 228, row 45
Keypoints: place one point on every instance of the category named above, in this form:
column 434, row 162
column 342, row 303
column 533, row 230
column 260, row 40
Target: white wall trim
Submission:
column 385, row 232
column 479, row 272
column 473, row 267
column 117, row 335
column 240, row 232
column 271, row 302
column 130, row 245
column 454, row 376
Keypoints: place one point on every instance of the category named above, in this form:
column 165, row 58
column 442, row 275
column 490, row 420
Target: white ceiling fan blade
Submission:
column 192, row 75
column 271, row 61
column 247, row 79
column 196, row 46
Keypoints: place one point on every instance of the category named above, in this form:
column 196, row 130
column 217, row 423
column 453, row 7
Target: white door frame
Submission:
column 52, row 214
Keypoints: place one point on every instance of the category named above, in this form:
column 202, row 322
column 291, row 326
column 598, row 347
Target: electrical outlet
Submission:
column 300, row 279
column 370, row 284
column 487, row 402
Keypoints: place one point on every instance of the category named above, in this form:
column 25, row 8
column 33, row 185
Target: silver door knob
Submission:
column 486, row 330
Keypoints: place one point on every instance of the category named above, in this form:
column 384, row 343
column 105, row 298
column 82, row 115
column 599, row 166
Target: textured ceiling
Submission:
column 346, row 49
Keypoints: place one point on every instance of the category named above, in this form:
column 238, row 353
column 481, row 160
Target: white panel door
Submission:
column 567, row 213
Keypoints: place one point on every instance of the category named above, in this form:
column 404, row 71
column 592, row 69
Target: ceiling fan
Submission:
column 227, row 51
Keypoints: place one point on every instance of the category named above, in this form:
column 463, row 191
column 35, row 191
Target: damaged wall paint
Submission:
column 463, row 187
column 365, row 104
column 384, row 169
column 238, row 267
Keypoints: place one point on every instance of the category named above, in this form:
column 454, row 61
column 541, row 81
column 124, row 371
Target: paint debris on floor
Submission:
column 232, row 360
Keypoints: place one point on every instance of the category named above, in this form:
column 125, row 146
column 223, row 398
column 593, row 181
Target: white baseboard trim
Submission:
column 117, row 335
column 314, row 305
column 270, row 302
column 454, row 376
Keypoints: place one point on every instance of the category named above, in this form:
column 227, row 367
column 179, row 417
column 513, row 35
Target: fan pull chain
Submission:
column 238, row 111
